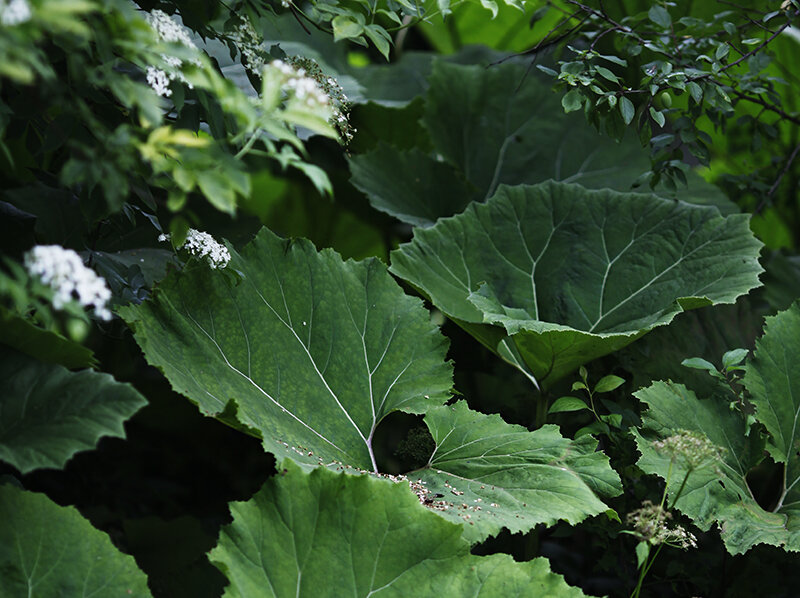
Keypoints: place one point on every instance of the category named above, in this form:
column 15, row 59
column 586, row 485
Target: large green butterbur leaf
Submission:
column 570, row 274
column 47, row 550
column 47, row 413
column 716, row 493
column 328, row 535
column 507, row 127
column 720, row 494
column 314, row 351
column 492, row 475
column 409, row 185
column 773, row 380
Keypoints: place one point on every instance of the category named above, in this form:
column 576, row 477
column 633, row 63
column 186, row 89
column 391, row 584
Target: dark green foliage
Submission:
column 399, row 298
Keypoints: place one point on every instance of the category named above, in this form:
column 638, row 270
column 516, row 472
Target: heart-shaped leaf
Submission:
column 328, row 535
column 47, row 413
column 48, row 550
column 313, row 351
column 571, row 274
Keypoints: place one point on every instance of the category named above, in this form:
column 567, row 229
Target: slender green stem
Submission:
column 540, row 415
column 638, row 588
column 249, row 145
column 680, row 489
column 666, row 486
column 648, row 562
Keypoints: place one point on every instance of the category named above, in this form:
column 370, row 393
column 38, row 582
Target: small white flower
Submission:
column 250, row 45
column 159, row 81
column 203, row 245
column 14, row 12
column 63, row 271
column 168, row 31
column 298, row 84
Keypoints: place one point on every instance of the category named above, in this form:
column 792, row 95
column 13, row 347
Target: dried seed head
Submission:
column 650, row 523
column 695, row 449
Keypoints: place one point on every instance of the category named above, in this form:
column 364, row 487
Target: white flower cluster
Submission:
column 340, row 105
column 302, row 87
column 250, row 45
column 203, row 245
column 63, row 271
column 650, row 524
column 170, row 32
column 14, row 12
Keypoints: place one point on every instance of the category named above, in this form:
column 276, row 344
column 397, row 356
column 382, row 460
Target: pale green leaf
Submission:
column 314, row 352
column 48, row 550
column 380, row 38
column 572, row 101
column 626, row 109
column 494, row 475
column 642, row 552
column 571, row 274
column 344, row 27
column 327, row 535
column 47, row 413
column 218, row 189
column 695, row 90
column 564, row 404
column 733, row 357
column 608, row 383
column 606, row 74
column 657, row 116
column 698, row 363
column 490, row 5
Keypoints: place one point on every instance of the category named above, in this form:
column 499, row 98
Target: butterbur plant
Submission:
column 650, row 522
column 350, row 299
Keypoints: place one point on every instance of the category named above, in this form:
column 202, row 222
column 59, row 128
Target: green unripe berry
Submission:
column 666, row 99
column 77, row 329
